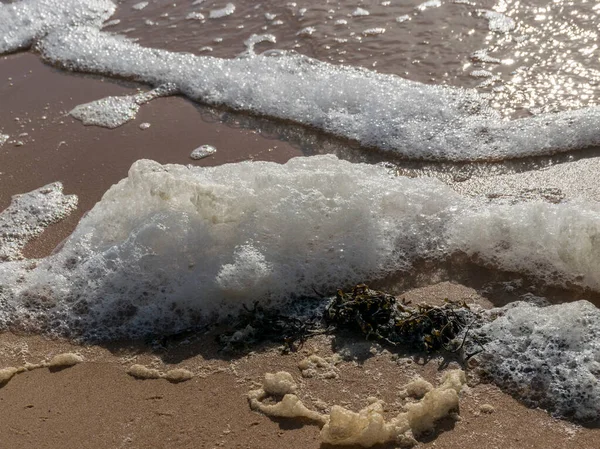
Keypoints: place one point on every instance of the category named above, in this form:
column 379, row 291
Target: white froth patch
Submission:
column 203, row 151
column 195, row 16
column 109, row 112
column 21, row 23
column 227, row 10
column 307, row 31
column 377, row 110
column 255, row 39
column 360, row 12
column 547, row 356
column 3, row 138
column 139, row 6
column 112, row 112
column 29, row 214
column 172, row 246
column 555, row 243
column 428, row 4
column 373, row 31
column 497, row 21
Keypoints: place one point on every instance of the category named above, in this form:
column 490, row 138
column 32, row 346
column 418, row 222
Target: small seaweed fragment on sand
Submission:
column 380, row 316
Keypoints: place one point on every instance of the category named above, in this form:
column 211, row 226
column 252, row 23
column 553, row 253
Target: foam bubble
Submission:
column 29, row 214
column 173, row 246
column 203, row 151
column 3, row 138
column 497, row 21
column 378, row 110
column 360, row 12
column 428, row 4
column 23, row 22
column 227, row 10
column 547, row 356
column 139, row 6
column 112, row 112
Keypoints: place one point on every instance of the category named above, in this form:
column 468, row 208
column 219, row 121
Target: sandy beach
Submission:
column 96, row 404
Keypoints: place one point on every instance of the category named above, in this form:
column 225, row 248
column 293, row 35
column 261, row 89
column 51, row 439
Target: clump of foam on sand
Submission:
column 64, row 360
column 367, row 427
column 175, row 375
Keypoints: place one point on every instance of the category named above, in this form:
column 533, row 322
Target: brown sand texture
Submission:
column 190, row 395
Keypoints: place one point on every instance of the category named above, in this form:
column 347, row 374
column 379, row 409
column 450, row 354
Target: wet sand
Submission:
column 96, row 404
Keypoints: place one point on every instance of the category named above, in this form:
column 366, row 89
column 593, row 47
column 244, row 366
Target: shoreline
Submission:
column 74, row 407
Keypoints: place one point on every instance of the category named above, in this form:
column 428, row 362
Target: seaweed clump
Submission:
column 380, row 316
column 374, row 314
column 258, row 324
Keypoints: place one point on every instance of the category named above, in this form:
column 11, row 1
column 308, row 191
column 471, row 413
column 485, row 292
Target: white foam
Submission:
column 497, row 21
column 203, row 151
column 429, row 4
column 29, row 214
column 139, row 6
column 360, row 12
column 23, row 22
column 548, row 356
column 173, row 245
column 378, row 110
column 251, row 42
column 3, row 138
column 195, row 16
column 227, row 10
column 373, row 31
column 112, row 112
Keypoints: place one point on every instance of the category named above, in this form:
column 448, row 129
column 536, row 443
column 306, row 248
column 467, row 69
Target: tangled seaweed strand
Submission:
column 378, row 315
column 258, row 325
column 375, row 314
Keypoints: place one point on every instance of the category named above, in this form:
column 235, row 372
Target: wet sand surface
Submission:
column 89, row 159
column 96, row 404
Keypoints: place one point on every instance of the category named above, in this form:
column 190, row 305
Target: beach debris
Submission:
column 380, row 316
column 258, row 325
column 368, row 426
column 203, row 151
column 174, row 376
column 64, row 360
column 145, row 125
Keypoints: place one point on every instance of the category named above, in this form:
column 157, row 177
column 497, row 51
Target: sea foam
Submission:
column 548, row 356
column 171, row 246
column 405, row 118
column 21, row 23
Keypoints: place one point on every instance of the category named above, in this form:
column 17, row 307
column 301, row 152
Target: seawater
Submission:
column 452, row 83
